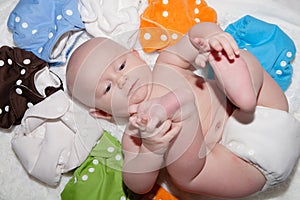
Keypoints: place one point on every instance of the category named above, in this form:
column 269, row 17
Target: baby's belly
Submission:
column 214, row 110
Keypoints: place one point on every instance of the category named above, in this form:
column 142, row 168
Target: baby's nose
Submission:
column 121, row 81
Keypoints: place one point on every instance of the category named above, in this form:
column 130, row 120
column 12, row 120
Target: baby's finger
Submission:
column 164, row 127
column 160, row 131
column 170, row 135
column 132, row 131
column 133, row 121
column 152, row 124
column 142, row 122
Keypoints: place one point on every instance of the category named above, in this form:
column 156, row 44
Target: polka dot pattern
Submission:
column 58, row 17
column 26, row 61
column 17, row 19
column 95, row 162
column 84, row 177
column 34, row 31
column 23, row 71
column 24, row 25
column 9, row 61
column 19, row 82
column 110, row 149
column 100, row 173
column 91, row 170
column 41, row 27
column 165, row 13
column 160, row 31
column 6, row 108
column 29, row 104
column 21, row 66
column 19, row 91
column 69, row 12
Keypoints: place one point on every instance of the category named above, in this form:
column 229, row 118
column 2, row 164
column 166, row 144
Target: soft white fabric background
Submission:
column 16, row 184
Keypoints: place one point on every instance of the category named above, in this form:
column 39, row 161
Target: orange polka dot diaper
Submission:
column 164, row 22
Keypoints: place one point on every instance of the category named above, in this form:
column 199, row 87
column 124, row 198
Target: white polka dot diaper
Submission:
column 100, row 176
column 50, row 140
column 47, row 28
column 24, row 81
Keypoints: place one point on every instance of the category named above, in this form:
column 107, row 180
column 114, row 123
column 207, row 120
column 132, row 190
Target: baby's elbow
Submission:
column 135, row 186
column 140, row 190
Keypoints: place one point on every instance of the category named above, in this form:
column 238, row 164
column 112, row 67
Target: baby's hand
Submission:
column 159, row 139
column 148, row 115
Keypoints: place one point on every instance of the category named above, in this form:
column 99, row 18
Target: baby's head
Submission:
column 107, row 77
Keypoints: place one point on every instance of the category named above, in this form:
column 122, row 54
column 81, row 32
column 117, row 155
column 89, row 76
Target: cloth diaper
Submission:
column 164, row 22
column 116, row 19
column 25, row 80
column 47, row 28
column 268, row 139
column 100, row 176
column 272, row 47
column 51, row 140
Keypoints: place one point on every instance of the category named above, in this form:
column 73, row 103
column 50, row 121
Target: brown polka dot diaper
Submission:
column 24, row 81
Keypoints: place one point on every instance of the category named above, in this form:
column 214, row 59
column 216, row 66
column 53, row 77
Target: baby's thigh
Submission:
column 226, row 175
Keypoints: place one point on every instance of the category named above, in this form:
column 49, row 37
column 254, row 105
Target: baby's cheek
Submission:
column 139, row 95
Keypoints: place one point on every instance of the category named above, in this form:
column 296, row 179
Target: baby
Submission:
column 184, row 122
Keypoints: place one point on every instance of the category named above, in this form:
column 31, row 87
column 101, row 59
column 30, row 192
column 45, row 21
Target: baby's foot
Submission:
column 234, row 79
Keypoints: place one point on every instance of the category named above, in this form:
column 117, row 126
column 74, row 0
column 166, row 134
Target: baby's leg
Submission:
column 225, row 175
column 240, row 79
column 186, row 156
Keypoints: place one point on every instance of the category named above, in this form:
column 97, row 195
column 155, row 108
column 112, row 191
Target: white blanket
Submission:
column 16, row 184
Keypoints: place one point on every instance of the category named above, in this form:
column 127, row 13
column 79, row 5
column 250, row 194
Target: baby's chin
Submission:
column 140, row 95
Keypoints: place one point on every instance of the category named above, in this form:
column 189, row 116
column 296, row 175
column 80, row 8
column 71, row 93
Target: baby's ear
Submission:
column 100, row 114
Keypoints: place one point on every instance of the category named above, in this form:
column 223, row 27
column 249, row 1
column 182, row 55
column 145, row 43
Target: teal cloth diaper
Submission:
column 272, row 47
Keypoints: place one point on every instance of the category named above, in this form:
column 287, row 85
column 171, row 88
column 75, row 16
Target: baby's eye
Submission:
column 107, row 89
column 122, row 66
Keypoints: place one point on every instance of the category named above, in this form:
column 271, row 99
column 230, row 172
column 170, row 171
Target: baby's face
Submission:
column 104, row 75
column 124, row 82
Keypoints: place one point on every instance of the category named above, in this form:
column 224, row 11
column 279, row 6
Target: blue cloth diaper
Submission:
column 38, row 25
column 272, row 47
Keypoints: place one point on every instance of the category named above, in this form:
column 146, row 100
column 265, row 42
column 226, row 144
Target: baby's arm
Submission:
column 144, row 155
column 185, row 157
column 176, row 106
column 198, row 43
